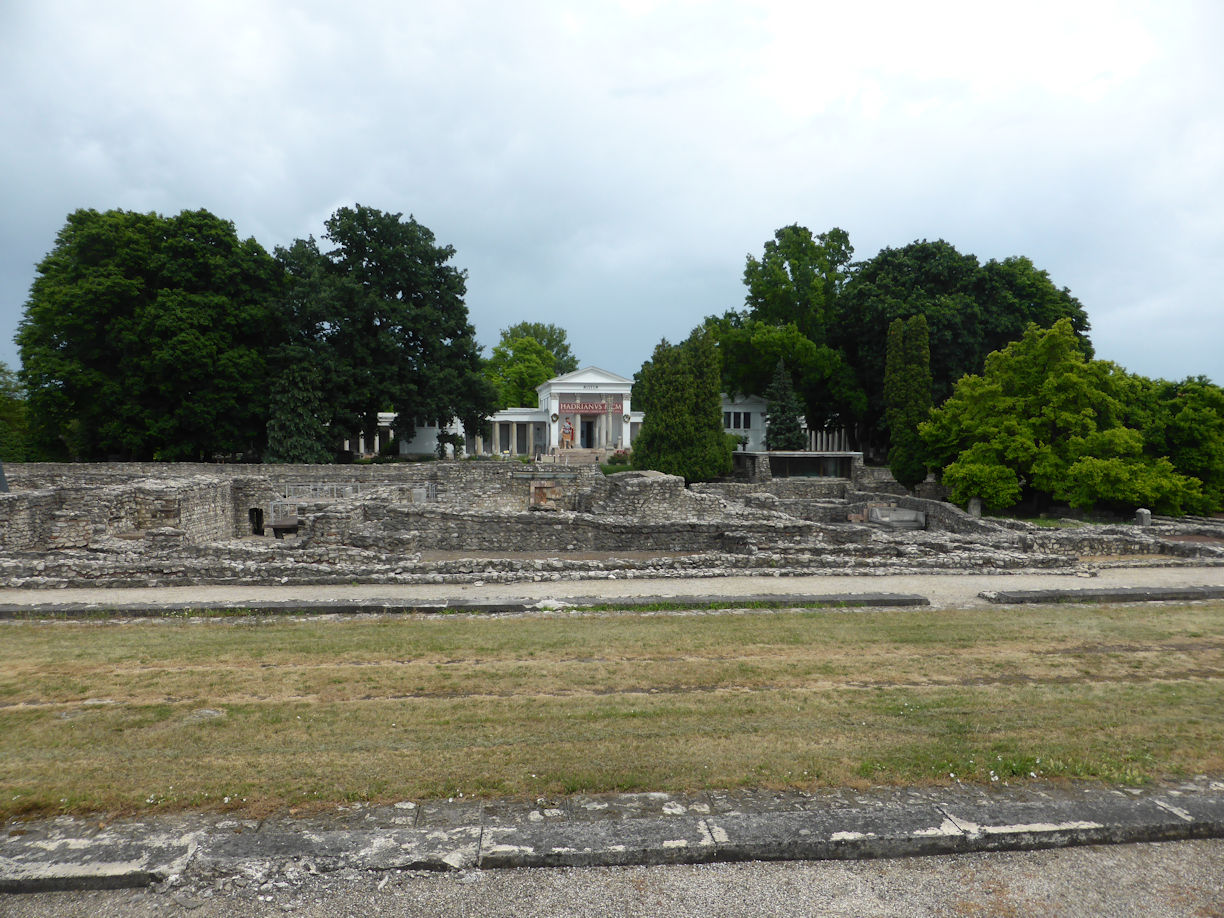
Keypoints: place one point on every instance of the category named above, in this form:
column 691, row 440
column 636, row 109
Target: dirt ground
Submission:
column 942, row 590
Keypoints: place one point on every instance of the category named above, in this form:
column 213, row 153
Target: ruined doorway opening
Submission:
column 255, row 514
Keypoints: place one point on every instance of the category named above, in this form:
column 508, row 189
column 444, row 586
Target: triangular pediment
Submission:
column 587, row 376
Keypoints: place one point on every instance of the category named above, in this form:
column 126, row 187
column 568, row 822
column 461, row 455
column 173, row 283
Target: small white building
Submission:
column 587, row 409
column 744, row 416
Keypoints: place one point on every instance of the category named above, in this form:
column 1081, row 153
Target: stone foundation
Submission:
column 147, row 524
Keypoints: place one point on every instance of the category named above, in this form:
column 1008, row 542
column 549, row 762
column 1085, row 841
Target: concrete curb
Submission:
column 613, row 830
column 460, row 606
column 1108, row 594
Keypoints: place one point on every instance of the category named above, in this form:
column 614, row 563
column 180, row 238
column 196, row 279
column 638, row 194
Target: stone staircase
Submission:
column 572, row 457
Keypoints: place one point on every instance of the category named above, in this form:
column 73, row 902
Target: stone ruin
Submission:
column 133, row 524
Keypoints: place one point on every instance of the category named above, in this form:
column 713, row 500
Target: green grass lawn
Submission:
column 268, row 714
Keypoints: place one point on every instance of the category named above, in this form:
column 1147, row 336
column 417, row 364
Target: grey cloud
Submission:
column 609, row 168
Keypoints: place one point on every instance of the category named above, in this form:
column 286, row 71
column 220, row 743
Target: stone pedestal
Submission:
column 1143, row 517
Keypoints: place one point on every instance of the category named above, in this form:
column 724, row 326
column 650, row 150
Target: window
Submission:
column 747, row 419
column 727, row 419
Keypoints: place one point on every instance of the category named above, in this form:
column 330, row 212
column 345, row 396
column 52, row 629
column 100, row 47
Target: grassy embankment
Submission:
column 270, row 714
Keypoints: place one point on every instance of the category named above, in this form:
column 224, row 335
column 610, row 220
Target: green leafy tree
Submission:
column 678, row 390
column 750, row 350
column 516, row 368
column 907, row 397
column 782, row 427
column 1044, row 418
column 1185, row 422
column 798, row 279
column 971, row 311
column 552, row 337
column 145, row 337
column 381, row 318
column 297, row 426
column 14, row 434
column 791, row 307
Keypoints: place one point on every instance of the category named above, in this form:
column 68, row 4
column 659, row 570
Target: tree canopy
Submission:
column 144, row 338
column 1044, row 418
column 14, row 434
column 552, row 337
column 678, row 390
column 798, row 279
column 528, row 354
column 971, row 310
column 515, row 369
column 751, row 348
column 827, row 317
column 297, row 426
column 150, row 337
column 380, row 319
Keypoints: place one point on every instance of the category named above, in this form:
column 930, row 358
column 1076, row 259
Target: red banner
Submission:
column 588, row 407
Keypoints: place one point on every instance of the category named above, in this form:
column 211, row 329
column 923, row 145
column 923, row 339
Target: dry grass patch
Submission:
column 269, row 713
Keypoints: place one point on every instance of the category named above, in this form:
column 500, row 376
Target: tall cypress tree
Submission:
column 678, row 389
column 782, row 427
column 907, row 396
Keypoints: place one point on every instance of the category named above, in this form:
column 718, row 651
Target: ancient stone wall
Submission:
column 25, row 519
column 407, row 529
column 203, row 508
column 460, row 483
column 939, row 514
column 58, row 505
column 877, row 479
column 649, row 497
column 146, row 524
column 781, row 488
column 76, row 517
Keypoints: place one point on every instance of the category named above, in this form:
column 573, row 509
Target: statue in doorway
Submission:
column 567, row 435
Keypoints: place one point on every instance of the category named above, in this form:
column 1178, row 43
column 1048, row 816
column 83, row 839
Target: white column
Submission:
column 531, row 439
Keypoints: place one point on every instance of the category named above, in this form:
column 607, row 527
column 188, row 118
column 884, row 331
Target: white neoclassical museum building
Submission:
column 587, row 409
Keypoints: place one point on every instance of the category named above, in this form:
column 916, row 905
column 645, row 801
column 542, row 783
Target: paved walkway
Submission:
column 941, row 590
column 603, row 831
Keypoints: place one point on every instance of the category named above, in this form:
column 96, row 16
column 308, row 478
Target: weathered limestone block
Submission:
column 165, row 539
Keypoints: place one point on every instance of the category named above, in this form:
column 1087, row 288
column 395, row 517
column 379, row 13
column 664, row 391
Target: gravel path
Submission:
column 943, row 590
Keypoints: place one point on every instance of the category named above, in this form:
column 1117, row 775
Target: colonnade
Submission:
column 832, row 440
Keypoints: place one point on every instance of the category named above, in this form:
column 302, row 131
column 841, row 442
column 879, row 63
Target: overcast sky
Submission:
column 608, row 166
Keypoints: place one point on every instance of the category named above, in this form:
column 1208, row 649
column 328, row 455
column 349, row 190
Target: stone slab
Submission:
column 608, row 830
column 67, row 853
column 1109, row 594
column 373, row 848
column 474, row 607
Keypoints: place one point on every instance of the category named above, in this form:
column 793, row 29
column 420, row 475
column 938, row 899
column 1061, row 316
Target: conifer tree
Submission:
column 907, row 396
column 678, row 391
column 782, row 427
column 297, row 428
